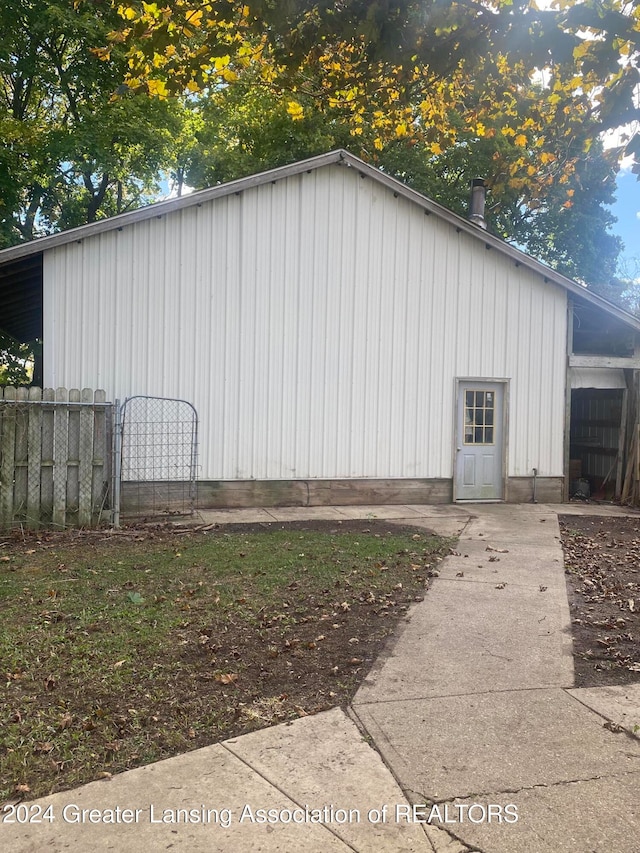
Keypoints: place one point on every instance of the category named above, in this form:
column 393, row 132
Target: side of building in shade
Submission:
column 343, row 339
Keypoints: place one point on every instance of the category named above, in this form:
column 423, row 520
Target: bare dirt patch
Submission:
column 602, row 564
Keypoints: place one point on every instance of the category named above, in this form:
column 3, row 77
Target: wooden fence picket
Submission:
column 85, row 459
column 34, row 469
column 60, row 457
column 8, row 453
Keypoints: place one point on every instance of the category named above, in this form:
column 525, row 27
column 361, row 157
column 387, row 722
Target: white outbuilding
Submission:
column 343, row 339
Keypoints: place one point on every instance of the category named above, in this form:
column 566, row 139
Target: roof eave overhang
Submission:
column 162, row 208
column 490, row 241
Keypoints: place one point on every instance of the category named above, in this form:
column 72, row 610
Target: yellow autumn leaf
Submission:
column 195, row 18
column 520, row 140
column 127, row 12
column 378, row 144
column 295, row 110
column 103, row 53
column 401, row 130
column 435, row 148
column 157, row 88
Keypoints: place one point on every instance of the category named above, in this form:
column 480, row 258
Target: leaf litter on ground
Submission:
column 602, row 569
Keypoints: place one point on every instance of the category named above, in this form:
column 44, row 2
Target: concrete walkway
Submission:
column 471, row 711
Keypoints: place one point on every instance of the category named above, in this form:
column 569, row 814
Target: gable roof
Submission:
column 21, row 266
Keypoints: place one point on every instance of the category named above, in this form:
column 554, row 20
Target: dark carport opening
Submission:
column 597, row 442
column 21, row 306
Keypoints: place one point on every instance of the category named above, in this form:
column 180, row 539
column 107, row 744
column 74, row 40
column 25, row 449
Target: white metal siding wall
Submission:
column 317, row 324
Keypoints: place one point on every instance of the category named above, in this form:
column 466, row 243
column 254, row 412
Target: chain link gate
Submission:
column 156, row 453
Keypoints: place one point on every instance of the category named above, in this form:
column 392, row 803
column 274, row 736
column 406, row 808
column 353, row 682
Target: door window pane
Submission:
column 479, row 411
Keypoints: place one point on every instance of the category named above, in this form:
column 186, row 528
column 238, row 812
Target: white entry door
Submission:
column 479, row 446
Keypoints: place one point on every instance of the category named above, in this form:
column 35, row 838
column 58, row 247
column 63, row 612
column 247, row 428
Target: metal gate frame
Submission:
column 120, row 448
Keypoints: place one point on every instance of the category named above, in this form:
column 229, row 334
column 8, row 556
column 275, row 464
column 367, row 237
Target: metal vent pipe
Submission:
column 477, row 202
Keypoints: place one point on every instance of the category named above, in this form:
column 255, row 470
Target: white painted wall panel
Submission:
column 317, row 324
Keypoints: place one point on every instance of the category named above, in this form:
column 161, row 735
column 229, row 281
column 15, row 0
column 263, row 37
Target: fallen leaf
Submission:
column 65, row 721
column 226, row 677
column 119, row 663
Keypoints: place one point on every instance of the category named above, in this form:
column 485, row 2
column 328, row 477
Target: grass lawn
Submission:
column 121, row 649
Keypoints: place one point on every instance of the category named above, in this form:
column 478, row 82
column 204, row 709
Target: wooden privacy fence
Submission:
column 55, row 456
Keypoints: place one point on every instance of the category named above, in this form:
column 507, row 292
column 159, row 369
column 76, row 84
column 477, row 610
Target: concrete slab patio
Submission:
column 470, row 715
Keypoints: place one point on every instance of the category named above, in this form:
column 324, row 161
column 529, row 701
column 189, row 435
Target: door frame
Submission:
column 487, row 380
